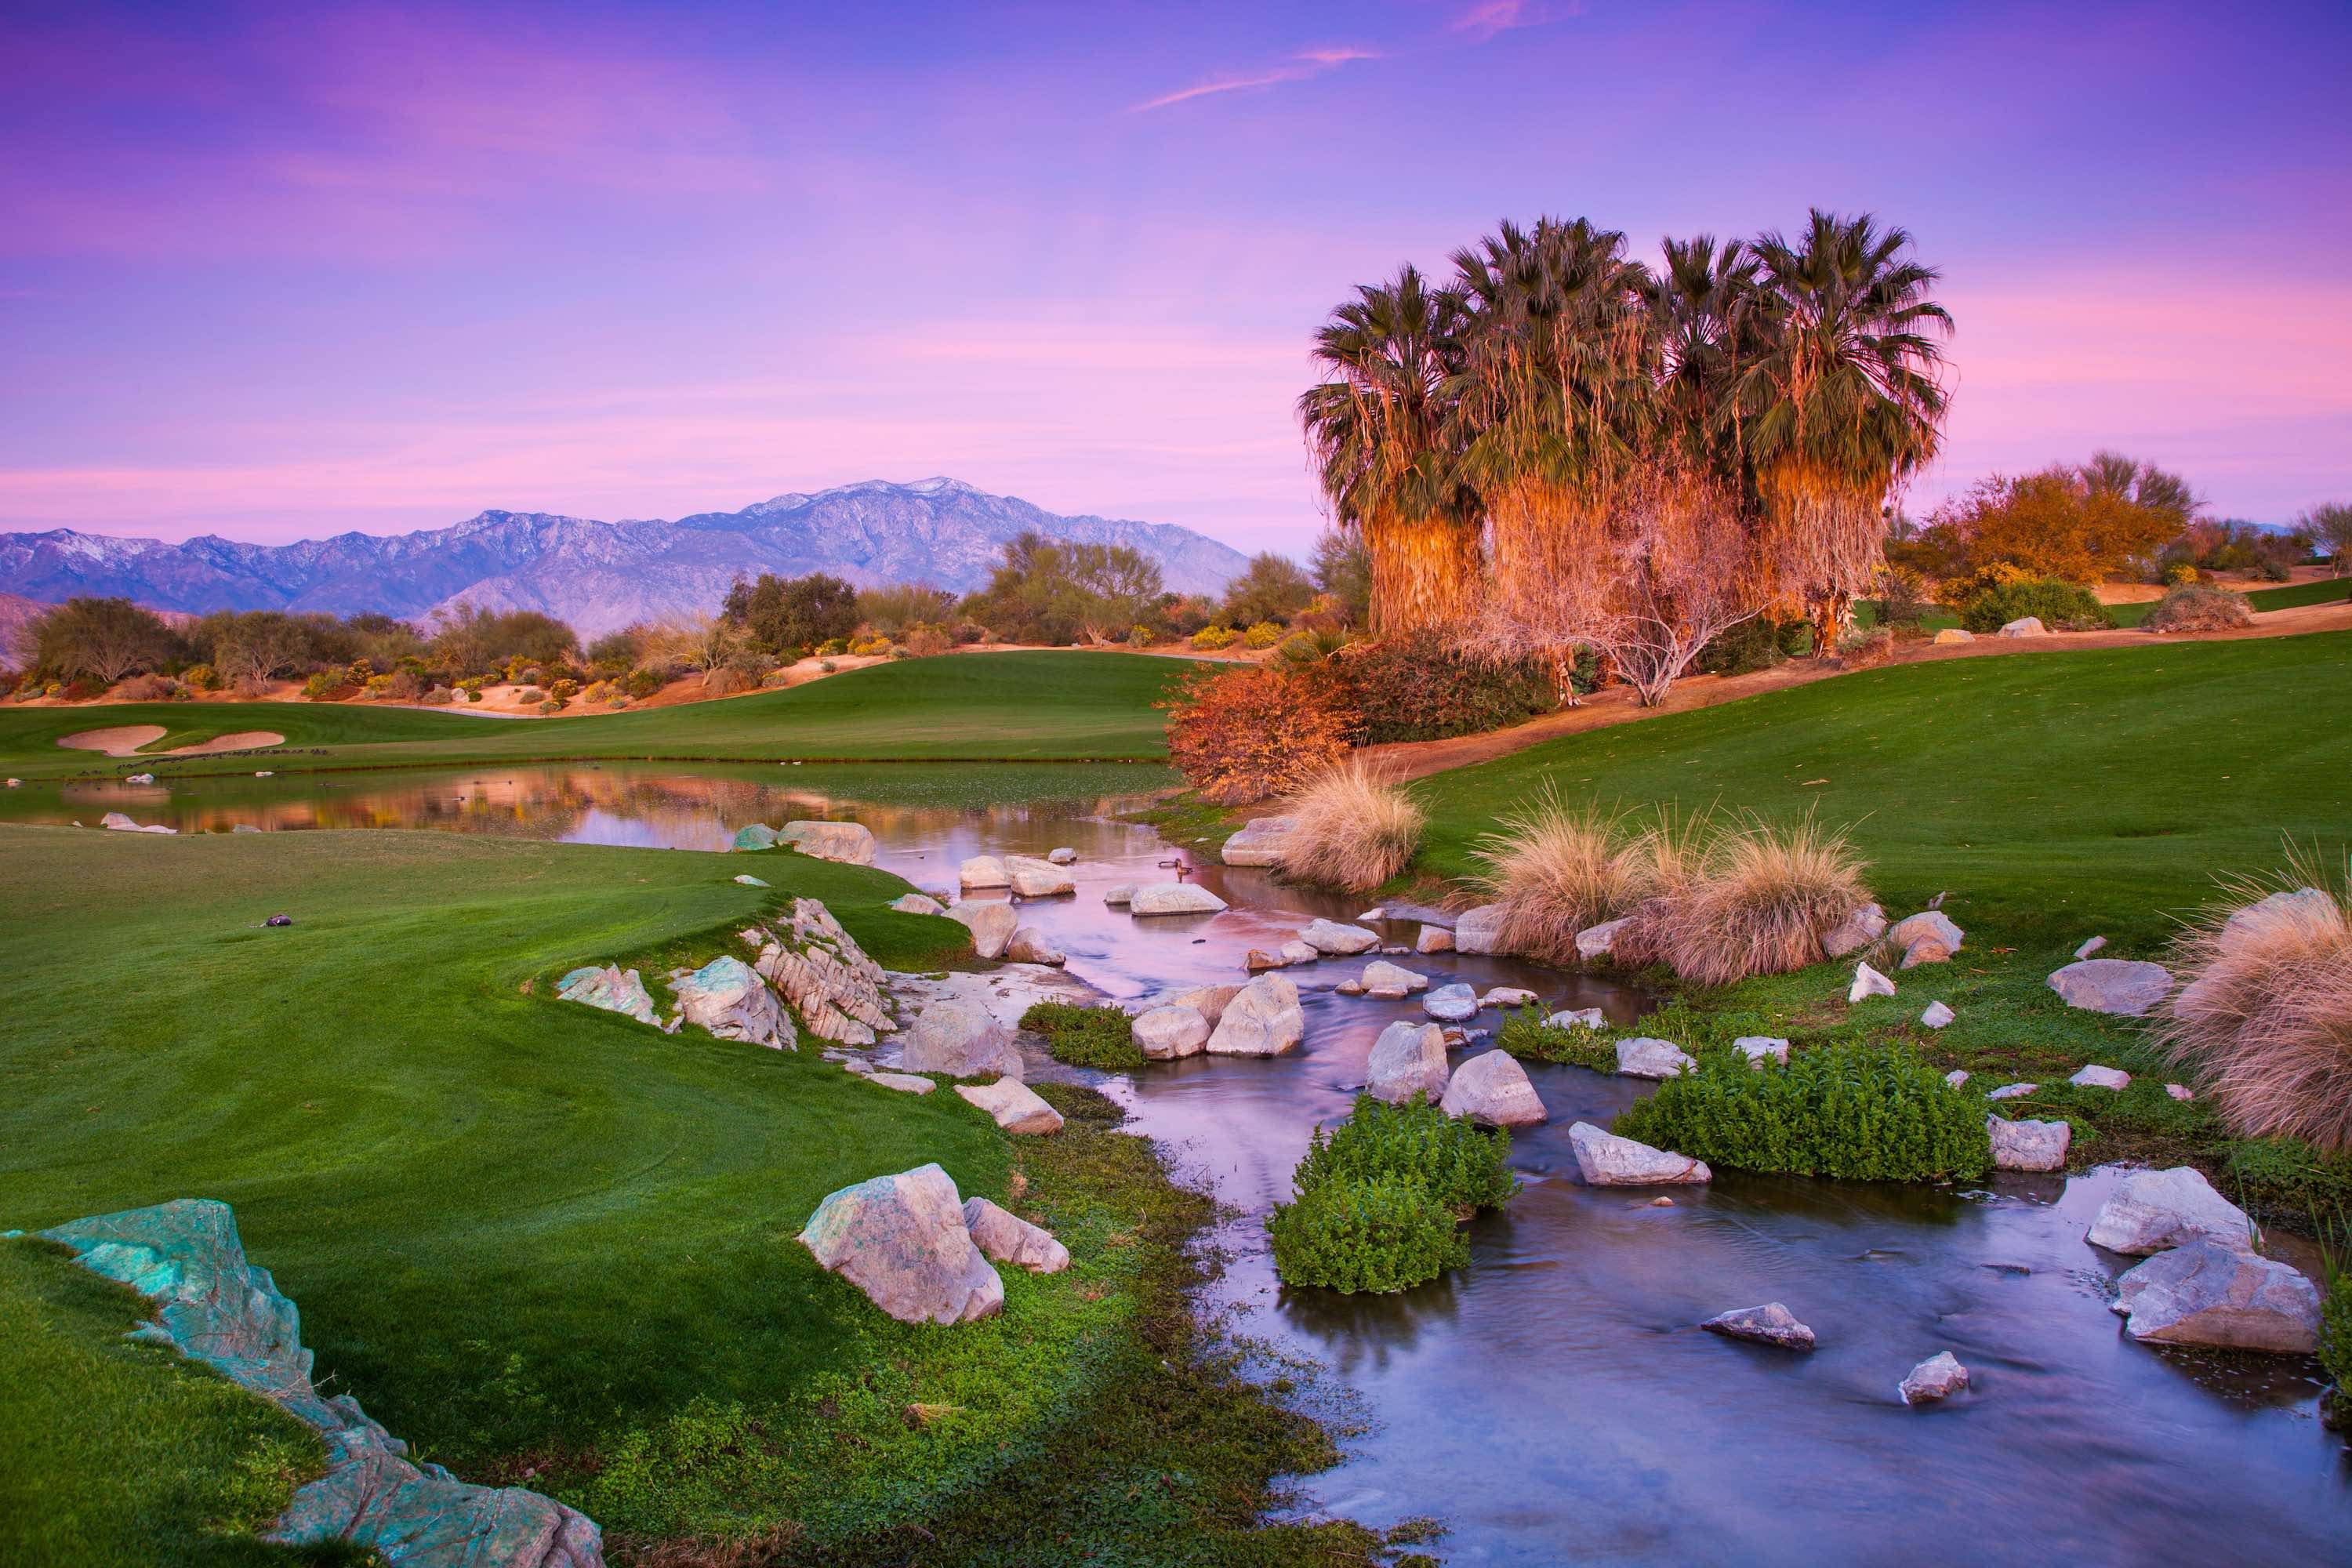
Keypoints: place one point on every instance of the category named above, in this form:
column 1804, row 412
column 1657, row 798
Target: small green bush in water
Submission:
column 1378, row 1234
column 1100, row 1038
column 1527, row 1036
column 1464, row 1166
column 1860, row 1112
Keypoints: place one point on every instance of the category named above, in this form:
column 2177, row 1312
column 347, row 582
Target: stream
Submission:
column 1555, row 1400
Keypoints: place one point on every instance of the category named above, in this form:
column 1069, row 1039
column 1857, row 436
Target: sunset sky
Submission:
column 281, row 271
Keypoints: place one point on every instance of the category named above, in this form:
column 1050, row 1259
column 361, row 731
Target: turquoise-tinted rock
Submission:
column 759, row 836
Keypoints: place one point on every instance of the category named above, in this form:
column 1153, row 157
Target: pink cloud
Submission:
column 1299, row 68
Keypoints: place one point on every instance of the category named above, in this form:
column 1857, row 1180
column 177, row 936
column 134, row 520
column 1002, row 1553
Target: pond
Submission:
column 1554, row 1401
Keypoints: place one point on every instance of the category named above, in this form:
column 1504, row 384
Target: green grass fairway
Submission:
column 2052, row 794
column 1002, row 707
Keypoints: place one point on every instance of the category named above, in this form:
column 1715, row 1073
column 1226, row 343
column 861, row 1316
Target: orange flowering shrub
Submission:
column 1254, row 731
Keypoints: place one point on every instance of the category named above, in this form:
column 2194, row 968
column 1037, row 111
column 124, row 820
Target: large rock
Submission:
column 902, row 1240
column 1770, row 1324
column 1263, row 1019
column 1120, row 895
column 1494, row 1088
column 1856, row 931
column 904, row 1082
column 728, row 998
column 1209, row 1001
column 1030, row 945
column 1164, row 1034
column 758, row 835
column 2152, row 1210
column 1030, row 878
column 2209, row 1293
column 982, row 871
column 1296, row 951
column 918, row 904
column 1868, row 982
column 1502, row 996
column 1761, row 1049
column 820, row 968
column 1409, row 1059
column 2026, row 627
column 1173, row 899
column 1064, row 856
column 1601, row 941
column 1643, row 1056
column 1941, row 1376
column 1391, row 981
column 850, row 843
column 1451, row 1003
column 1609, row 1161
column 1480, row 930
column 1433, row 938
column 2028, row 1145
column 1951, row 634
column 959, row 1037
column 991, row 926
column 1006, row 1238
column 1260, row 842
column 610, row 987
column 1015, row 1106
column 1331, row 937
column 1927, row 937
column 2119, row 985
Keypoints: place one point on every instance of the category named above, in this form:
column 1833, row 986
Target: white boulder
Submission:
column 1936, row 1016
column 1013, row 1105
column 1259, row 843
column 1506, row 996
column 1006, row 1238
column 1119, row 897
column 2209, row 1293
column 1452, row 1004
column 918, row 904
column 1480, row 930
column 1030, row 945
column 1643, row 1056
column 1770, row 1324
column 1868, row 982
column 1173, row 899
column 982, row 871
column 1598, row 941
column 850, row 843
column 2125, row 987
column 1263, row 1019
column 1164, row 1034
column 1331, row 937
column 1941, row 1376
column 1433, row 938
column 1492, row 1089
column 1761, row 1049
column 1034, row 878
column 959, row 1037
column 1856, row 931
column 1607, row 1161
column 1209, row 1001
column 2098, row 1077
column 902, row 1240
column 1390, row 981
column 2026, row 627
column 1409, row 1059
column 991, row 926
column 904, row 1082
column 1061, row 857
column 2028, row 1145
column 2152, row 1210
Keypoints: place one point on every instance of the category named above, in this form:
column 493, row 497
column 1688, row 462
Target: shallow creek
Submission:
column 1554, row 1401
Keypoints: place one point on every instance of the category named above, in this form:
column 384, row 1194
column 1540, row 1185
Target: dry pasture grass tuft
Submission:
column 1353, row 830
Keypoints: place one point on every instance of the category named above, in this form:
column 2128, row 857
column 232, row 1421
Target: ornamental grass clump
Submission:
column 1765, row 898
column 2263, row 1026
column 1378, row 1197
column 1101, row 1037
column 1352, row 829
column 1858, row 1112
column 1556, row 871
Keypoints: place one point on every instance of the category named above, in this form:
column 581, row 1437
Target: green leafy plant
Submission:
column 1100, row 1038
column 1855, row 1111
column 1378, row 1234
column 1526, row 1036
column 2060, row 606
column 1464, row 1166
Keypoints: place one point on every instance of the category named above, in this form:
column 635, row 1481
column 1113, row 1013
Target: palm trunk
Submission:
column 1425, row 575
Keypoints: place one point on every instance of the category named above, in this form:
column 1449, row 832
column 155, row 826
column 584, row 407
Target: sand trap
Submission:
column 124, row 740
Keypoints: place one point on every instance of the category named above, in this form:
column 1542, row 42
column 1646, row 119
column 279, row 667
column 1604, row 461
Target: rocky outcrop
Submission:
column 959, row 1037
column 1452, row 1004
column 1856, row 931
column 2152, row 1210
column 1263, row 1019
column 1480, row 930
column 1259, row 843
column 1770, row 1324
column 991, row 926
column 1014, row 1107
column 850, row 843
column 824, row 974
column 1331, row 937
column 1941, row 1376
column 610, row 987
column 2209, row 1293
column 1006, row 1238
column 1030, row 945
column 1173, row 899
column 1492, row 1089
column 1609, row 1161
column 902, row 1240
column 1391, row 981
column 2028, row 1145
column 1409, row 1059
column 215, row 1307
column 1643, row 1056
column 1034, row 878
column 2121, row 986
column 981, row 872
column 1165, row 1034
column 729, row 999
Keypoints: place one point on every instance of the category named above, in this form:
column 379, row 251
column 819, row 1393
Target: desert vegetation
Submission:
column 1353, row 830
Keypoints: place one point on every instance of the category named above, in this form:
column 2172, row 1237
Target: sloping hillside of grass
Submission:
column 1001, row 707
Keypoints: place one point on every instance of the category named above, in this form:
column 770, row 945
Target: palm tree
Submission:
column 1842, row 403
column 1378, row 427
column 1699, row 307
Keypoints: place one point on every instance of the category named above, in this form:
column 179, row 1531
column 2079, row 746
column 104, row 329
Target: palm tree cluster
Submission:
column 1506, row 442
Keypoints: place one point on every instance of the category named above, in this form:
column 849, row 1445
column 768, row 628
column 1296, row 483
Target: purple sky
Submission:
column 279, row 272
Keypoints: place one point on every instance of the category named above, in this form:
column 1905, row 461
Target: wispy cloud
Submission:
column 1488, row 17
column 1298, row 67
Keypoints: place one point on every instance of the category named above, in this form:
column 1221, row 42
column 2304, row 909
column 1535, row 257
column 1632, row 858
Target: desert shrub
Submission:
column 1378, row 1235
column 2263, row 1026
column 1854, row 1111
column 202, row 678
column 1245, row 733
column 1138, row 637
column 147, row 689
column 1085, row 1037
column 1764, row 899
column 2061, row 606
column 1265, row 634
column 473, row 694
column 2178, row 574
column 828, row 666
column 724, row 681
column 875, row 647
column 1554, row 870
column 642, row 683
column 396, row 685
column 437, row 697
column 1754, row 644
column 928, row 641
column 1526, row 1036
column 1353, row 830
column 1419, row 689
column 1465, row 1167
column 549, row 708
column 833, row 647
column 2199, row 608
column 1865, row 647
column 1209, row 639
column 563, row 691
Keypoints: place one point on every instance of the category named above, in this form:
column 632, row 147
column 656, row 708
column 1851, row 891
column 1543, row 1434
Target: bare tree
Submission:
column 252, row 647
column 697, row 642
column 1661, row 568
column 106, row 638
column 2331, row 525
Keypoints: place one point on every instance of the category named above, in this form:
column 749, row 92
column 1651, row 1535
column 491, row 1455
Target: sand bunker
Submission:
column 124, row 740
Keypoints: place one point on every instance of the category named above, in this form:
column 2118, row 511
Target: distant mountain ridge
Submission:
column 596, row 575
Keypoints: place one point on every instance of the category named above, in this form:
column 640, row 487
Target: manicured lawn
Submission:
column 1030, row 706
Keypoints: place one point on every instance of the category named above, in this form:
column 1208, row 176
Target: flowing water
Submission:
column 1553, row 1402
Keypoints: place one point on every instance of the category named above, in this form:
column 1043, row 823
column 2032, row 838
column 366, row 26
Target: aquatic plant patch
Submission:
column 1526, row 1036
column 1464, row 1166
column 1100, row 1037
column 1374, row 1233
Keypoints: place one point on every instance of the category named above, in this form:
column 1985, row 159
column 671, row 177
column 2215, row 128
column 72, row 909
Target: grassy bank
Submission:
column 1036, row 706
column 540, row 1241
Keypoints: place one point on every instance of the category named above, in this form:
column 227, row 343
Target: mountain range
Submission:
column 596, row 575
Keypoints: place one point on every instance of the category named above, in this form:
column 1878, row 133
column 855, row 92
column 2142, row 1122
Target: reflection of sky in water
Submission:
column 1553, row 1402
